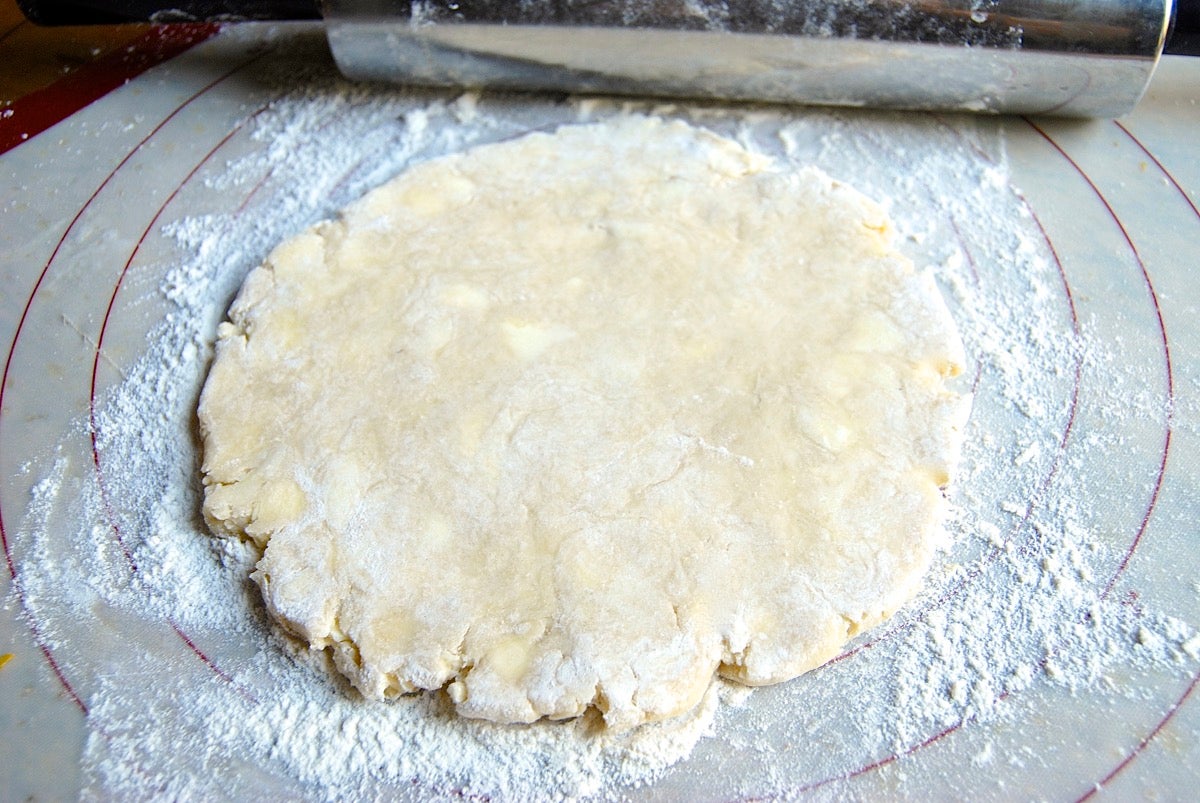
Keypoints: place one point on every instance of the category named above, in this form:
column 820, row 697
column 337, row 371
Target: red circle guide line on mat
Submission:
column 1166, row 347
column 1137, row 751
column 1166, row 447
column 1166, row 173
column 32, row 114
column 34, row 627
column 964, row 245
column 1039, row 494
column 106, row 500
column 960, row 587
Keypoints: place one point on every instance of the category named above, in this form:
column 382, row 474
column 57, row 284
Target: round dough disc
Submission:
column 583, row 418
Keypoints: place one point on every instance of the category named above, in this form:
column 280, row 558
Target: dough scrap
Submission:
column 583, row 418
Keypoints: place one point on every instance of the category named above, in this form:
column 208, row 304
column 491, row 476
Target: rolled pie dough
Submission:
column 583, row 418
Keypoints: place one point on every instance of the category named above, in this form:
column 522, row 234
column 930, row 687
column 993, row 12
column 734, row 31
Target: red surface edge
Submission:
column 34, row 113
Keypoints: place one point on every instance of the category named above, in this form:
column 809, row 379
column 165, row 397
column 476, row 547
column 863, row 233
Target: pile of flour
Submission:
column 1019, row 605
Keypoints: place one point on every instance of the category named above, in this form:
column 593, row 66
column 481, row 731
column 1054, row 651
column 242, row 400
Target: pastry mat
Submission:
column 85, row 204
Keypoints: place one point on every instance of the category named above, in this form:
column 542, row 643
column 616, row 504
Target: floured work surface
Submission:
column 581, row 419
column 1071, row 423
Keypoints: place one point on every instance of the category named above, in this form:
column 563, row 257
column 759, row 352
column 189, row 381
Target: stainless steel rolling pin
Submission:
column 1088, row 58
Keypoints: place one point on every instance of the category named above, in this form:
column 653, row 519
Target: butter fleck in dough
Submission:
column 583, row 418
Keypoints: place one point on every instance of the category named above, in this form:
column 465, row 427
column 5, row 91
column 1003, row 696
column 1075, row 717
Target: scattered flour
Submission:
column 191, row 694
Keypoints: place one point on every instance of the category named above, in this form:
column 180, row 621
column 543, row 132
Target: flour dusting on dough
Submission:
column 583, row 419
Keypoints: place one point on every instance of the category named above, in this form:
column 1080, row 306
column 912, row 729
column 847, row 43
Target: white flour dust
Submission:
column 192, row 694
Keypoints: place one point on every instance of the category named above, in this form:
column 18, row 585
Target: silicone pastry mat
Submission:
column 96, row 211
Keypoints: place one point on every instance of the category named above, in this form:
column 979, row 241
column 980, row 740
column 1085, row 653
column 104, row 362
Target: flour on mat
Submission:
column 205, row 700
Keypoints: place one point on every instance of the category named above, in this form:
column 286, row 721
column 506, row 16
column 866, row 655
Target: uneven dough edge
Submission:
column 243, row 499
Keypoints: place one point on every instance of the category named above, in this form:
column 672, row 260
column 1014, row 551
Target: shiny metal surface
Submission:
column 1063, row 57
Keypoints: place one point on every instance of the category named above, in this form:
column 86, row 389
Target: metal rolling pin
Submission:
column 1087, row 58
